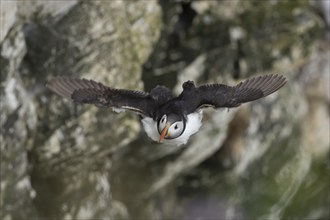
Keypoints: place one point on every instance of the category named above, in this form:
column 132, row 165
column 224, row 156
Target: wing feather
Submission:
column 85, row 91
column 219, row 95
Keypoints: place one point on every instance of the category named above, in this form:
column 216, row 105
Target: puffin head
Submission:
column 171, row 126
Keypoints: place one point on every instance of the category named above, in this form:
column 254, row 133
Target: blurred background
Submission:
column 265, row 160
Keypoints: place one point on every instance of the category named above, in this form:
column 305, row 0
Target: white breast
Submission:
column 193, row 124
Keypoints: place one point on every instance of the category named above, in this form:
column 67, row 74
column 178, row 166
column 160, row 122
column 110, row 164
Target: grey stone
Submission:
column 55, row 156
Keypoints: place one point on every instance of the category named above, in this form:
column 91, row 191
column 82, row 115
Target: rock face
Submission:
column 267, row 159
column 53, row 153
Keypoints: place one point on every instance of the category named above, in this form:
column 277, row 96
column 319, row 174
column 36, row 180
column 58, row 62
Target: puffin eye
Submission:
column 176, row 129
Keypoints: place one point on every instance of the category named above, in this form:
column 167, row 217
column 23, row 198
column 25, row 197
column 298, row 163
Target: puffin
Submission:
column 167, row 118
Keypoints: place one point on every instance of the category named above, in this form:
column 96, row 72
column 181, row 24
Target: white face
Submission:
column 162, row 123
column 193, row 124
column 173, row 130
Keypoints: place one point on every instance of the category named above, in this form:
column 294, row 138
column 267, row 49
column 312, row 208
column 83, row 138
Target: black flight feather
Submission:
column 85, row 91
column 219, row 95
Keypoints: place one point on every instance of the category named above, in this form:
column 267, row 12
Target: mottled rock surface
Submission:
column 55, row 157
column 265, row 160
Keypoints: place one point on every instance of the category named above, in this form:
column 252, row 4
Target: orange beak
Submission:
column 164, row 131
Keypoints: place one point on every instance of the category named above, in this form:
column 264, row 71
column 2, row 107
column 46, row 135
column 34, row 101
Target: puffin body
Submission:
column 166, row 118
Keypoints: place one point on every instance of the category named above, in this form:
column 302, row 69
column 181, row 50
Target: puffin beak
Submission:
column 164, row 131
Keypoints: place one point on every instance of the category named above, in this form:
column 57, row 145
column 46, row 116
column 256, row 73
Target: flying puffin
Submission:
column 166, row 118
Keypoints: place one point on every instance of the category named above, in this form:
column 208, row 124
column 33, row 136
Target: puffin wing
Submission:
column 219, row 95
column 85, row 91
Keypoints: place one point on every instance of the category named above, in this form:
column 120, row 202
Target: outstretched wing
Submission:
column 90, row 92
column 219, row 95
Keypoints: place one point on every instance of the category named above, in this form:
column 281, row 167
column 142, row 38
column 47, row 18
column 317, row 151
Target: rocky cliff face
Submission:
column 52, row 152
column 267, row 159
